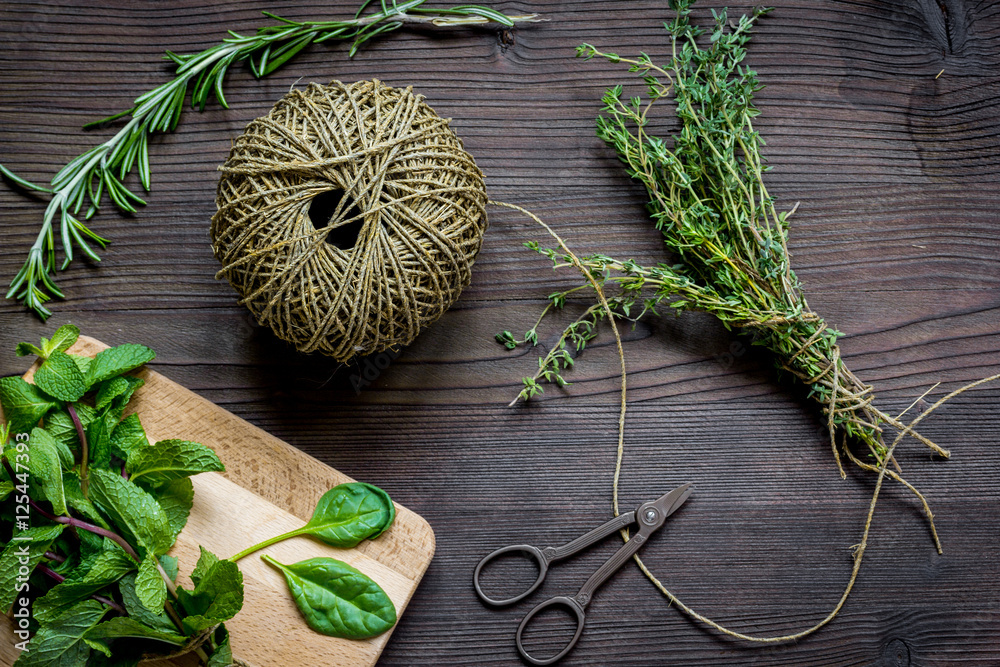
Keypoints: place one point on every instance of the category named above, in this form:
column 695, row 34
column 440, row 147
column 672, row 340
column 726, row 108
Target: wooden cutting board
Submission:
column 268, row 488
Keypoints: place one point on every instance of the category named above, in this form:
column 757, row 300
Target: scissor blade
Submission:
column 670, row 502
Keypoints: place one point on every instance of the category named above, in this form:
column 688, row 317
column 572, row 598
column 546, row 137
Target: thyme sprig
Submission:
column 102, row 170
column 706, row 192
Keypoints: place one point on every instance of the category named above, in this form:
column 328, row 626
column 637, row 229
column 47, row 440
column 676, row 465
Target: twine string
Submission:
column 836, row 377
column 422, row 203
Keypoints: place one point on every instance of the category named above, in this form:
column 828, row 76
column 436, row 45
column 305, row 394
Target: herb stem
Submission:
column 89, row 527
column 268, row 542
column 84, row 449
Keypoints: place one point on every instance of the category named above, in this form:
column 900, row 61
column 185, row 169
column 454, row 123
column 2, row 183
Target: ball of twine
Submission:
column 406, row 207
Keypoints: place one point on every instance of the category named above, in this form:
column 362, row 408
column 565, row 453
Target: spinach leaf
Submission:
column 61, row 643
column 23, row 404
column 117, row 360
column 350, row 513
column 60, row 377
column 170, row 460
column 336, row 599
column 25, row 549
column 133, row 510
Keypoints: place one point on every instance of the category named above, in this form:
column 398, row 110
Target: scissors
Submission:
column 650, row 516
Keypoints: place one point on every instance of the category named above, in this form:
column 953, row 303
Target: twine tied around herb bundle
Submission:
column 349, row 218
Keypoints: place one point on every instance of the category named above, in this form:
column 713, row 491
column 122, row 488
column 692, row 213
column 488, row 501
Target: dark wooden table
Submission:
column 897, row 241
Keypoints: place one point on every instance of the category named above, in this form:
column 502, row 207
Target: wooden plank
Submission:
column 268, row 488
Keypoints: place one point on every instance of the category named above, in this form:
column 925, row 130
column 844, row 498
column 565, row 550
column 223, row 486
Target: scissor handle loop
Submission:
column 560, row 601
column 535, row 553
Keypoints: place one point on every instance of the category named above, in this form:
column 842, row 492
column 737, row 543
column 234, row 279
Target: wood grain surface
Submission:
column 896, row 239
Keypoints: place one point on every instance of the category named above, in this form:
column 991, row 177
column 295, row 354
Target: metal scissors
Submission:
column 650, row 516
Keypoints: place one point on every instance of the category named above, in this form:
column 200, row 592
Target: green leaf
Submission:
column 27, row 349
column 337, row 600
column 60, row 377
column 103, row 570
column 62, row 339
column 350, row 513
column 121, row 626
column 23, row 404
column 169, row 565
column 109, row 390
column 149, row 585
column 216, row 598
column 83, row 363
column 134, row 511
column 205, row 563
column 45, row 466
column 117, row 360
column 60, row 643
column 61, row 427
column 128, row 437
column 122, row 399
column 130, row 600
column 25, row 549
column 176, row 499
column 79, row 502
column 222, row 656
column 170, row 460
column 99, row 443
column 6, row 488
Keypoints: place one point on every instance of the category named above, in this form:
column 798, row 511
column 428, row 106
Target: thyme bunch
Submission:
column 102, row 170
column 707, row 196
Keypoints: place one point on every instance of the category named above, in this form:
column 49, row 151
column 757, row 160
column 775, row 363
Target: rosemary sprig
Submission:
column 104, row 168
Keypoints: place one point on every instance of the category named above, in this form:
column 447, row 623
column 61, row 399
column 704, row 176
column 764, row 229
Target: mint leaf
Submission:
column 117, row 360
column 205, row 563
column 109, row 390
column 60, row 425
column 60, row 643
column 100, row 444
column 128, row 437
column 79, row 502
column 27, row 349
column 133, row 510
column 119, row 627
column 84, row 364
column 176, row 499
column 122, row 399
column 62, row 339
column 170, row 460
column 217, row 597
column 45, row 466
column 60, row 377
column 25, row 549
column 169, row 565
column 23, row 403
column 149, row 585
column 337, row 600
column 105, row 569
column 223, row 654
column 130, row 600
